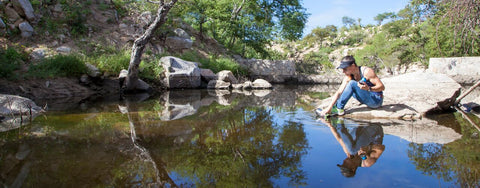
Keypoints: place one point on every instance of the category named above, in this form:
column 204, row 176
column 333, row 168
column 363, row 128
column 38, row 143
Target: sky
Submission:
column 330, row 12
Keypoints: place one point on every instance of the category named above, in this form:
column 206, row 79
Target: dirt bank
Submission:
column 59, row 89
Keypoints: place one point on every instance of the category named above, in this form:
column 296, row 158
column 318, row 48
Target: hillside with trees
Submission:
column 225, row 28
column 421, row 30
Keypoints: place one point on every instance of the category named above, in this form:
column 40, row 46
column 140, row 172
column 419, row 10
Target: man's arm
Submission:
column 378, row 84
column 337, row 94
column 337, row 136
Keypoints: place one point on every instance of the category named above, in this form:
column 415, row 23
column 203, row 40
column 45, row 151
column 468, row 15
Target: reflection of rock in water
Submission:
column 14, row 122
column 419, row 131
column 182, row 103
column 423, row 133
column 261, row 93
column 174, row 111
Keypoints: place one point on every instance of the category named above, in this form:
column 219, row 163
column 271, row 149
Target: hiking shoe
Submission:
column 337, row 111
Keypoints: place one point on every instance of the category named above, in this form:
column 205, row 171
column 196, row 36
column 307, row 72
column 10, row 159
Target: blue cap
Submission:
column 345, row 64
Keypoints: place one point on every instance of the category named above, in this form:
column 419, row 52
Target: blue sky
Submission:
column 323, row 12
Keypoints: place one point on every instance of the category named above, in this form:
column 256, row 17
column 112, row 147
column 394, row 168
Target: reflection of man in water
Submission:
column 362, row 144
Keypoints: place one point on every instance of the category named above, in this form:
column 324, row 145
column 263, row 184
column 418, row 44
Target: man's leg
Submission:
column 346, row 94
column 371, row 99
column 365, row 97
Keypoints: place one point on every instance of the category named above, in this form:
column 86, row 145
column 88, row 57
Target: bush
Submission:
column 10, row 61
column 314, row 60
column 58, row 66
column 354, row 38
column 150, row 70
column 219, row 64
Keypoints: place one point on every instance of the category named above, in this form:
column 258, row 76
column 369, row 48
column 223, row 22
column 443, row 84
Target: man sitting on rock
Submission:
column 360, row 82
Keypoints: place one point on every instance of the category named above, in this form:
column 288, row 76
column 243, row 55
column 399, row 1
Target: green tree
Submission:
column 319, row 34
column 245, row 26
column 383, row 16
column 422, row 9
column 379, row 54
column 348, row 21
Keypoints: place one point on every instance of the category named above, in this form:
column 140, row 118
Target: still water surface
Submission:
column 199, row 138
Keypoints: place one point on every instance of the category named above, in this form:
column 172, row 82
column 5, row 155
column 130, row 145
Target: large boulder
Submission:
column 11, row 15
column 24, row 8
column 261, row 84
column 208, row 75
column 15, row 105
column 93, row 71
column 26, row 29
column 218, row 84
column 227, row 76
column 178, row 43
column 464, row 70
column 275, row 71
column 140, row 85
column 180, row 73
column 15, row 111
column 408, row 96
column 181, row 33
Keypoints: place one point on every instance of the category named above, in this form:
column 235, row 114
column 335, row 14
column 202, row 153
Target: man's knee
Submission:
column 352, row 83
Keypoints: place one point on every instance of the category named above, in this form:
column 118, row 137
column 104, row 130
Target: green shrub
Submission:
column 354, row 38
column 150, row 70
column 76, row 13
column 315, row 59
column 219, row 64
column 10, row 61
column 58, row 66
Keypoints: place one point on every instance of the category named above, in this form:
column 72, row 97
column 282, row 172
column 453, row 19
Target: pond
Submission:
column 202, row 138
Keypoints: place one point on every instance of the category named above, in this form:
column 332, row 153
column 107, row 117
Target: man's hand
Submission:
column 363, row 86
column 322, row 113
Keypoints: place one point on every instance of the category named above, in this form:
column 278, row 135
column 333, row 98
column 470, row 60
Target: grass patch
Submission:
column 58, row 66
column 219, row 64
column 112, row 63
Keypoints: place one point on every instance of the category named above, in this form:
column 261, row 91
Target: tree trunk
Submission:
column 131, row 81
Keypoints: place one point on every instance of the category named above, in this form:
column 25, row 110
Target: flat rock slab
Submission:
column 407, row 96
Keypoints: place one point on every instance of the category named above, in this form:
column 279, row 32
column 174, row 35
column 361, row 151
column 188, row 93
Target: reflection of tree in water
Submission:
column 146, row 171
column 458, row 161
column 237, row 148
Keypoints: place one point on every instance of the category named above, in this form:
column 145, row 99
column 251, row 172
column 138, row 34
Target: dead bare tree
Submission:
column 464, row 15
column 131, row 81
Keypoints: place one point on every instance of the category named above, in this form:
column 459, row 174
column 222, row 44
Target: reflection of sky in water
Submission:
column 393, row 168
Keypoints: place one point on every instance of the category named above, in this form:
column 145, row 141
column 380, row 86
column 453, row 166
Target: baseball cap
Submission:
column 345, row 64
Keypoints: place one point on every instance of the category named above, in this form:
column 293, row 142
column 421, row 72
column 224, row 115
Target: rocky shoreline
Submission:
column 409, row 96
